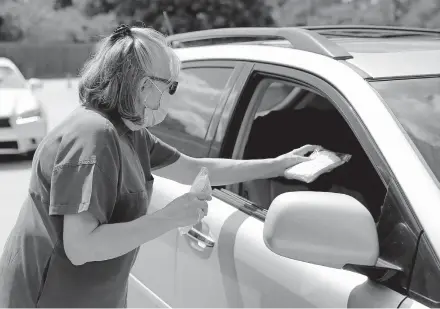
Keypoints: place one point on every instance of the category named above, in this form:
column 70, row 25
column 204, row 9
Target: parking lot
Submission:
column 59, row 99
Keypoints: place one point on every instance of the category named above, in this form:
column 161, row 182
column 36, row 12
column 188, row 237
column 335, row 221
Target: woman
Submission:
column 80, row 228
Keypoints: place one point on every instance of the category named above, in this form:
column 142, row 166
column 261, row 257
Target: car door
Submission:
column 224, row 262
column 190, row 125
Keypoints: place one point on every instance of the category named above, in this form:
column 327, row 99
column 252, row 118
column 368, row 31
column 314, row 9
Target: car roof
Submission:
column 370, row 45
column 377, row 53
column 383, row 58
column 6, row 62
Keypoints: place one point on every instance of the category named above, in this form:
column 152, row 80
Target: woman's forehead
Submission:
column 160, row 68
column 158, row 62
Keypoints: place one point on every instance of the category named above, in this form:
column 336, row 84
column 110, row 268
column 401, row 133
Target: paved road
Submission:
column 59, row 101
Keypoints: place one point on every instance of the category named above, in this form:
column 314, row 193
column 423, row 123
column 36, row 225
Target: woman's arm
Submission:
column 229, row 171
column 221, row 171
column 87, row 241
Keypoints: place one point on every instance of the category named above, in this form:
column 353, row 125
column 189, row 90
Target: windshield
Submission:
column 416, row 104
column 10, row 79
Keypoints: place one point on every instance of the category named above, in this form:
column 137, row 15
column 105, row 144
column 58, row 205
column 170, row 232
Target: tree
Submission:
column 187, row 15
column 9, row 30
column 61, row 4
column 93, row 8
column 416, row 13
column 35, row 21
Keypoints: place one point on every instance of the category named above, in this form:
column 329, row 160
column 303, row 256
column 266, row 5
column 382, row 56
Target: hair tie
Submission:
column 120, row 32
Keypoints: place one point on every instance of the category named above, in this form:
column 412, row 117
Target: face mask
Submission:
column 152, row 117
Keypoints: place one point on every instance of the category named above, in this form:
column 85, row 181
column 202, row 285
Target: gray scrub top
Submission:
column 91, row 162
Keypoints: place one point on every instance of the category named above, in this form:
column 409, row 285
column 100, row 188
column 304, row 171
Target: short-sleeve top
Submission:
column 90, row 162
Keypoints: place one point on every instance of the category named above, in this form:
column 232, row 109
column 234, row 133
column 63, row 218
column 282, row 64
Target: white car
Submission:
column 23, row 122
column 364, row 235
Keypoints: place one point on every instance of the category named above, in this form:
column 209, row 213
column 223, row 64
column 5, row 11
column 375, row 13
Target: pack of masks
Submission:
column 323, row 161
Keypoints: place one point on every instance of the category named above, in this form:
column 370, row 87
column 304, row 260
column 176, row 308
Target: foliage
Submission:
column 9, row 30
column 62, row 4
column 187, row 15
column 38, row 21
column 86, row 20
column 411, row 13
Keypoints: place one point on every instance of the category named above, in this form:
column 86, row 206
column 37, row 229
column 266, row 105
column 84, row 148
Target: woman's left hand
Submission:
column 295, row 157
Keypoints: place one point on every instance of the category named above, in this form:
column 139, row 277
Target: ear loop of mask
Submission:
column 160, row 99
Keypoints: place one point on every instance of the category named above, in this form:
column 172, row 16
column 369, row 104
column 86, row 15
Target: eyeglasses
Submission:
column 172, row 86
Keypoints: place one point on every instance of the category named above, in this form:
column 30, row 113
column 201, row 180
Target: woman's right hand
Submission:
column 185, row 209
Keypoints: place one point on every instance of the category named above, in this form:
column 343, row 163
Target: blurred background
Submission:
column 53, row 38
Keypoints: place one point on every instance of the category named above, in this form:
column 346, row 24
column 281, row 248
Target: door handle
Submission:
column 201, row 239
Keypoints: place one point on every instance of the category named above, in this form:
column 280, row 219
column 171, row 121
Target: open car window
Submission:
column 307, row 118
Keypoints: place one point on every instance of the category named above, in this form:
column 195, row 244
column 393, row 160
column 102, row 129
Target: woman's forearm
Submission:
column 228, row 171
column 109, row 241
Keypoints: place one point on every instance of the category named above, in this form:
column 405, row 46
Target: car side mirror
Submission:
column 35, row 83
column 327, row 229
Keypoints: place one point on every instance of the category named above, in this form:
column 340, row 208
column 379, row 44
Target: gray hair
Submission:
column 110, row 79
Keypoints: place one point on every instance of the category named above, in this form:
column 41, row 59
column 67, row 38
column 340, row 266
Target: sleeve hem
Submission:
column 62, row 210
column 168, row 161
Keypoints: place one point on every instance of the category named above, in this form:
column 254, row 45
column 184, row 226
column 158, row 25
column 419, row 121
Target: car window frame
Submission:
column 224, row 114
column 322, row 87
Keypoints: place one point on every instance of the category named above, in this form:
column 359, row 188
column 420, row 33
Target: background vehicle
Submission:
column 365, row 235
column 22, row 118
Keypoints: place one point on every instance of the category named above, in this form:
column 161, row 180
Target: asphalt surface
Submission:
column 59, row 100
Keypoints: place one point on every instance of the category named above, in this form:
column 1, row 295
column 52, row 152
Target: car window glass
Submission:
column 10, row 79
column 425, row 282
column 416, row 105
column 308, row 118
column 191, row 109
column 274, row 98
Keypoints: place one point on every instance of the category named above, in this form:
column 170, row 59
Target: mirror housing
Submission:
column 327, row 229
column 35, row 83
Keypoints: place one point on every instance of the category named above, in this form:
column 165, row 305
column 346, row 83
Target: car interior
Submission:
column 287, row 117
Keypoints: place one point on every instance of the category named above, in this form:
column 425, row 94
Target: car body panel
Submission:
column 202, row 277
column 372, row 295
column 155, row 264
column 14, row 100
column 357, row 45
column 388, row 65
column 240, row 271
column 27, row 136
column 140, row 296
column 410, row 303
